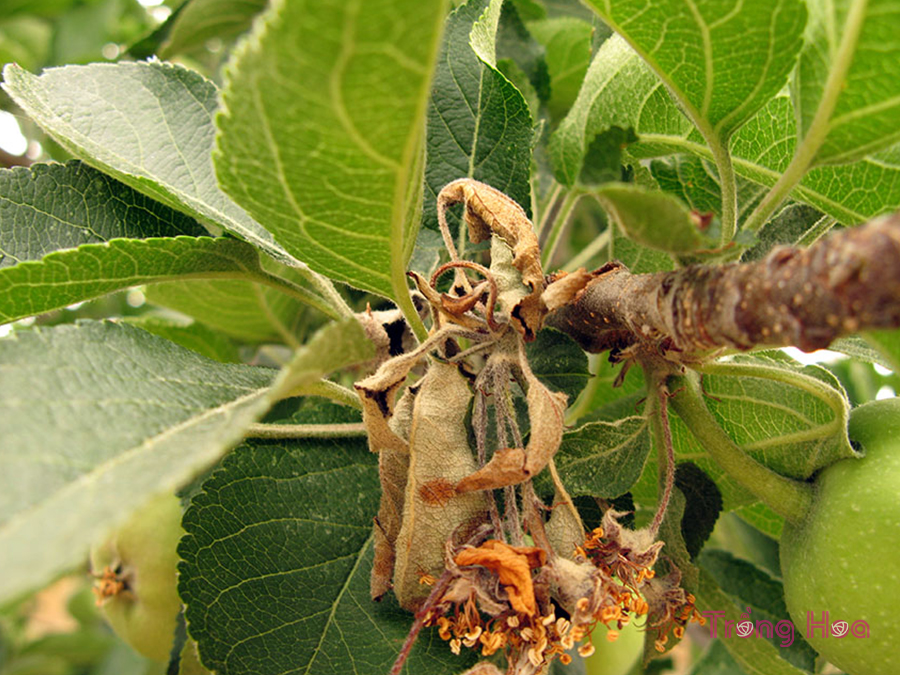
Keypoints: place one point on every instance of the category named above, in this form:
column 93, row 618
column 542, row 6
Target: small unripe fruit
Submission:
column 617, row 657
column 136, row 570
column 844, row 558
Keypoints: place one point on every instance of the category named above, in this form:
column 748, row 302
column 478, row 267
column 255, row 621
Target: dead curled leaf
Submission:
column 378, row 391
column 512, row 565
column 393, row 468
column 439, row 455
column 487, row 212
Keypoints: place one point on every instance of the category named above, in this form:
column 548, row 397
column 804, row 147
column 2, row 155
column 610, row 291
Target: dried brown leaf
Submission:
column 393, row 467
column 488, row 211
column 439, row 456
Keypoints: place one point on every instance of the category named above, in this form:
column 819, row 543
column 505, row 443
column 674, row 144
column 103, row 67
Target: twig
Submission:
column 845, row 283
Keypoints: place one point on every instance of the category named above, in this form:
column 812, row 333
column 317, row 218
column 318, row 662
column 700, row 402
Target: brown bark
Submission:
column 804, row 297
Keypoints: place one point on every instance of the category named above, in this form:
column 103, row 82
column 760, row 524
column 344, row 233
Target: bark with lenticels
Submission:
column 843, row 284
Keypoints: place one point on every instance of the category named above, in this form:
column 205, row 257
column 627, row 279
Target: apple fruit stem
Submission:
column 787, row 497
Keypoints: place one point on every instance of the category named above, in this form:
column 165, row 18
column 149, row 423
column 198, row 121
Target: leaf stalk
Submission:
column 787, row 497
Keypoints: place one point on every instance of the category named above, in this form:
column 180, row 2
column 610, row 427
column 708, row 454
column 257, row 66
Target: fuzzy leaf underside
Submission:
column 338, row 92
column 853, row 51
column 109, row 415
column 721, row 60
column 147, row 124
column 276, row 565
column 69, row 233
column 479, row 125
column 620, row 90
column 112, row 415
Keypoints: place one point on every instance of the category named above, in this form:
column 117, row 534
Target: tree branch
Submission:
column 845, row 283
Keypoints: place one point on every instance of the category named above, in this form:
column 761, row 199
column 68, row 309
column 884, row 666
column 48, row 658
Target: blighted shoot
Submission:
column 528, row 582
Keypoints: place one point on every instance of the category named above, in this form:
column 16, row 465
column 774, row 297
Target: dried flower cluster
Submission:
column 108, row 584
column 534, row 606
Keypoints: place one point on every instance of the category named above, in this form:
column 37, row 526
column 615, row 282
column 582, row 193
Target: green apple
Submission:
column 137, row 577
column 618, row 657
column 844, row 558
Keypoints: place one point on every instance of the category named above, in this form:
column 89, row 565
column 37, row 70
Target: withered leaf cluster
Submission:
column 442, row 544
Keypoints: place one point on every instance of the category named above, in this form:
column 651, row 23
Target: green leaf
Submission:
column 694, row 181
column 858, row 348
column 721, row 61
column 762, row 518
column 202, row 20
column 147, row 124
column 752, row 586
column 716, row 661
column 637, row 258
column 603, row 459
column 652, row 218
column 111, row 415
column 848, row 81
column 69, row 233
column 887, row 342
column 291, row 567
column 691, row 180
column 604, row 156
column 192, row 335
column 25, row 40
column 479, row 125
column 754, row 656
column 851, row 193
column 601, row 401
column 567, row 43
column 792, row 419
column 338, row 92
column 558, row 362
column 514, row 43
column 242, row 309
column 65, row 277
column 81, row 32
column 50, row 207
column 703, row 502
column 620, row 90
